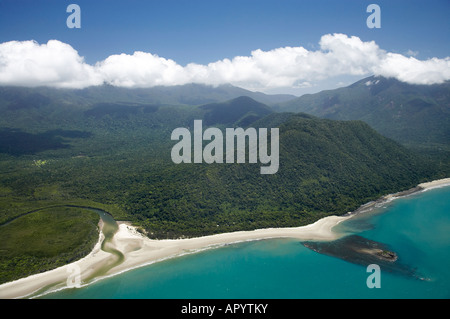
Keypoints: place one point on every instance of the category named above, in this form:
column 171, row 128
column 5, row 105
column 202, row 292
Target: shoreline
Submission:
column 390, row 197
column 140, row 251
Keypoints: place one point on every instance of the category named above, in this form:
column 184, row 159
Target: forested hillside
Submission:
column 117, row 155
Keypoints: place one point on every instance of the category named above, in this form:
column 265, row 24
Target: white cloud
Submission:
column 413, row 71
column 140, row 70
column 58, row 64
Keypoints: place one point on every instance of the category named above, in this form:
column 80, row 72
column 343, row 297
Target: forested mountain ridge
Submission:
column 326, row 167
column 417, row 116
column 189, row 94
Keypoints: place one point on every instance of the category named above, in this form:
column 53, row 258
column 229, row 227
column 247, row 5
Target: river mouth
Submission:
column 109, row 229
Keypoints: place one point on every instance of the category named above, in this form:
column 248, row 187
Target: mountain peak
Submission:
column 414, row 115
column 245, row 100
column 242, row 110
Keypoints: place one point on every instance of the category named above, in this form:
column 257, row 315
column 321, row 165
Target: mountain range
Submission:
column 418, row 116
column 189, row 94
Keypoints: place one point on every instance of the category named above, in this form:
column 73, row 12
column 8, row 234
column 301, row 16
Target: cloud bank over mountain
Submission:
column 57, row 64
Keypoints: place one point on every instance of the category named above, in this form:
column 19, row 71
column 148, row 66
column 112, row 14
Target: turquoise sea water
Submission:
column 416, row 227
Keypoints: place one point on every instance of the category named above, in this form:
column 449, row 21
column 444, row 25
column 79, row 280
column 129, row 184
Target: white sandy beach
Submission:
column 436, row 183
column 140, row 250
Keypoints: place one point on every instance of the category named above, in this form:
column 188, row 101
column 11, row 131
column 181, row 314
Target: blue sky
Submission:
column 200, row 31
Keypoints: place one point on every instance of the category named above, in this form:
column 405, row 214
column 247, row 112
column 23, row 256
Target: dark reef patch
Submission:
column 362, row 251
